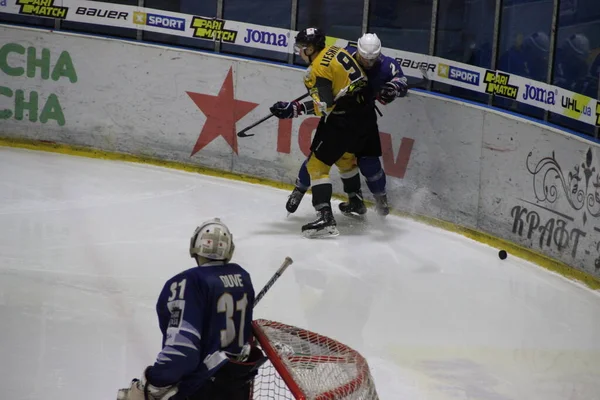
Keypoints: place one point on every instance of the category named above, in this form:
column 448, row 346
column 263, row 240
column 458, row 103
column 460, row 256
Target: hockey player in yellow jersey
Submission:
column 336, row 85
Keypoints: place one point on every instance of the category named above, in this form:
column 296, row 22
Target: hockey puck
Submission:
column 502, row 254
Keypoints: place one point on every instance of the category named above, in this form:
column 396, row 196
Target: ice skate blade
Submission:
column 358, row 217
column 328, row 232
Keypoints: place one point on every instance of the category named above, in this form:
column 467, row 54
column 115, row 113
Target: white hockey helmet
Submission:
column 212, row 241
column 369, row 49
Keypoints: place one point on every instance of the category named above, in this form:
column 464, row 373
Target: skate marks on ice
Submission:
column 488, row 373
column 383, row 229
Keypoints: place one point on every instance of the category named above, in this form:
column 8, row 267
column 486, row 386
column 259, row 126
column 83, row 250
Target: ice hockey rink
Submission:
column 86, row 245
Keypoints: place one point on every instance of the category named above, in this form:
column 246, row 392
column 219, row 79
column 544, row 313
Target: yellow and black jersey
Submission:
column 332, row 71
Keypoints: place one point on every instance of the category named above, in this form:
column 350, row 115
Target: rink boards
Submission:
column 483, row 172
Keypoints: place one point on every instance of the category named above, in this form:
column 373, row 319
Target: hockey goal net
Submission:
column 304, row 365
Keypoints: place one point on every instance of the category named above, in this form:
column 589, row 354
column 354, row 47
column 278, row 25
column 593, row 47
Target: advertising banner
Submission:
column 522, row 90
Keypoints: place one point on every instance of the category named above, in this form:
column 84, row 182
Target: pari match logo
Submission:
column 42, row 8
column 160, row 21
column 212, row 29
column 498, row 83
column 459, row 74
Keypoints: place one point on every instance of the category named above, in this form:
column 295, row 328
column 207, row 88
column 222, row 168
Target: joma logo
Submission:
column 538, row 94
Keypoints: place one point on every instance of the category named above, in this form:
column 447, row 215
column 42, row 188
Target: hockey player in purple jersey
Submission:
column 205, row 316
column 386, row 81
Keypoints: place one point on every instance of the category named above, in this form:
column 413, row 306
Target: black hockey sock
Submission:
column 322, row 195
column 351, row 185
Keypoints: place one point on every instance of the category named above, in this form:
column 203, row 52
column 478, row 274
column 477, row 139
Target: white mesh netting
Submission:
column 306, row 365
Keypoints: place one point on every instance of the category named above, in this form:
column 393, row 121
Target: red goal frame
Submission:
column 317, row 339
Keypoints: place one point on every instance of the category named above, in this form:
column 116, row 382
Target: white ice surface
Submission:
column 86, row 245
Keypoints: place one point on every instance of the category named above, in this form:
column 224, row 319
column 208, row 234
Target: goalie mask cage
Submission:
column 304, row 365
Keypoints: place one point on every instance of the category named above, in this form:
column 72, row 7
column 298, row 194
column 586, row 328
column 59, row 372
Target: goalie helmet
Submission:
column 213, row 241
column 369, row 49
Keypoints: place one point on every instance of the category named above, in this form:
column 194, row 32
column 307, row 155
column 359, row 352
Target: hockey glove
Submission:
column 391, row 90
column 285, row 110
column 139, row 388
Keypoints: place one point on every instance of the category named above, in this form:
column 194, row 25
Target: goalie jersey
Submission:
column 332, row 71
column 202, row 312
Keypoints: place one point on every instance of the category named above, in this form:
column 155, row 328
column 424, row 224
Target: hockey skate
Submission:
column 354, row 207
column 323, row 226
column 294, row 200
column 381, row 205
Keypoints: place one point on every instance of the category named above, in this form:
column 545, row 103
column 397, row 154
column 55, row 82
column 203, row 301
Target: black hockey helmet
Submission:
column 311, row 36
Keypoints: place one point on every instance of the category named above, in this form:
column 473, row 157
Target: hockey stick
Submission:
column 423, row 81
column 286, row 263
column 340, row 94
column 243, row 133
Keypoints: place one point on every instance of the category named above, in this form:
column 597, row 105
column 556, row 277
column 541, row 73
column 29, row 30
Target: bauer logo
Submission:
column 160, row 21
column 420, row 65
column 212, row 29
column 458, row 74
column 540, row 95
column 101, row 13
column 266, row 37
column 499, row 84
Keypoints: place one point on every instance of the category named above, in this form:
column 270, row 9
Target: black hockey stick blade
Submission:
column 243, row 133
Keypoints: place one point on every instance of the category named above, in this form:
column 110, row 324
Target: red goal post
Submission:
column 304, row 365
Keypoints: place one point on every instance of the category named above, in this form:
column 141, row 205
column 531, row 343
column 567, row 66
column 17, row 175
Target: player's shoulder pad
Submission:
column 197, row 274
column 388, row 60
column 180, row 276
column 309, row 77
column 239, row 267
column 352, row 48
column 391, row 64
column 176, row 279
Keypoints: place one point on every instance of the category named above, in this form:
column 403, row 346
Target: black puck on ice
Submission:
column 502, row 254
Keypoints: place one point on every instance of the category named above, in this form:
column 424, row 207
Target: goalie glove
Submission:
column 141, row 389
column 285, row 110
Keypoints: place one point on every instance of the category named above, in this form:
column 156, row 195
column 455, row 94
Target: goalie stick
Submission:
column 286, row 263
column 246, row 349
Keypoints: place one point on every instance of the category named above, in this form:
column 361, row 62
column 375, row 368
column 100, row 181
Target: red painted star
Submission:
column 222, row 112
